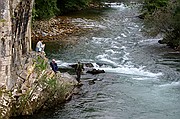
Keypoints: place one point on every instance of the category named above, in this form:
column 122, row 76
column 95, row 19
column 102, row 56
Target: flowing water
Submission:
column 142, row 76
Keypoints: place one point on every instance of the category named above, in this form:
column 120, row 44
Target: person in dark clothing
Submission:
column 54, row 66
column 79, row 68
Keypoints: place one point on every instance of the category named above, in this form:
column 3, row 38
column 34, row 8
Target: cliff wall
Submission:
column 27, row 83
column 15, row 38
column 37, row 87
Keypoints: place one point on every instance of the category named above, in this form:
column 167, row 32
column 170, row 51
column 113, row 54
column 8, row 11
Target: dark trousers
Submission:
column 78, row 73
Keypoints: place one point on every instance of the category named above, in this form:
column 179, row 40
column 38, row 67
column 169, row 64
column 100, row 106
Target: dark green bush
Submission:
column 162, row 16
column 44, row 9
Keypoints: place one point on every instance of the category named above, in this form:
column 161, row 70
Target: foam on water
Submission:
column 125, row 58
column 100, row 40
column 142, row 78
column 124, row 67
column 87, row 23
column 108, row 61
column 123, row 47
column 150, row 41
column 64, row 64
column 101, row 56
column 170, row 84
column 117, row 38
column 114, row 46
column 123, row 35
column 111, row 51
column 117, row 5
column 121, row 64
column 132, row 71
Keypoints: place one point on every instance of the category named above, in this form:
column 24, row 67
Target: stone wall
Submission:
column 15, row 38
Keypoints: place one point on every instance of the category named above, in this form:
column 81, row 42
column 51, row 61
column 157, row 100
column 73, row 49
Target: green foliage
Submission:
column 50, row 83
column 2, row 20
column 34, row 14
column 40, row 64
column 151, row 6
column 162, row 16
column 45, row 9
column 1, row 92
column 72, row 5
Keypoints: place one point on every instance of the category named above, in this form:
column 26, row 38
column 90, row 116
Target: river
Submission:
column 142, row 76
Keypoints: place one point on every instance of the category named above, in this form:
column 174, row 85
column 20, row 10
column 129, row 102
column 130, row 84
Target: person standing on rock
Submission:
column 40, row 46
column 79, row 68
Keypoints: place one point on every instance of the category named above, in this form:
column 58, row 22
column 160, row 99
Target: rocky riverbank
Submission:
column 55, row 29
column 37, row 87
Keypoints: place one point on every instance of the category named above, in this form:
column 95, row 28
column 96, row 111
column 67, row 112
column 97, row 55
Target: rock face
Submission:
column 15, row 37
column 37, row 87
column 27, row 83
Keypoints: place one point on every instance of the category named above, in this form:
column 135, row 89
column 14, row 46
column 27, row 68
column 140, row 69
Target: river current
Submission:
column 142, row 76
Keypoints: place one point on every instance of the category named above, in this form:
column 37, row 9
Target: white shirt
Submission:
column 39, row 44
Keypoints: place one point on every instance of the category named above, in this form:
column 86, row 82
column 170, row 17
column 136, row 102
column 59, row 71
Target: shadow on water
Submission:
column 46, row 114
column 52, row 47
column 89, row 13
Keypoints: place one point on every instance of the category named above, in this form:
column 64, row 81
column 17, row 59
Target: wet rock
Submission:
column 91, row 81
column 141, row 16
column 95, row 71
column 89, row 65
column 161, row 42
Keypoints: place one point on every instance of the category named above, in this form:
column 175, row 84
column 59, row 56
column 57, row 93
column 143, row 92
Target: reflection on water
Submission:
column 141, row 79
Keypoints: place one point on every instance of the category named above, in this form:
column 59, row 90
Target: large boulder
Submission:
column 37, row 87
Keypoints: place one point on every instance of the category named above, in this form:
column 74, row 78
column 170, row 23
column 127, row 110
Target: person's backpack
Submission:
column 79, row 67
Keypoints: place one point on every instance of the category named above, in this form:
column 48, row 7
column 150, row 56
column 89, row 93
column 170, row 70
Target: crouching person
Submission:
column 54, row 66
